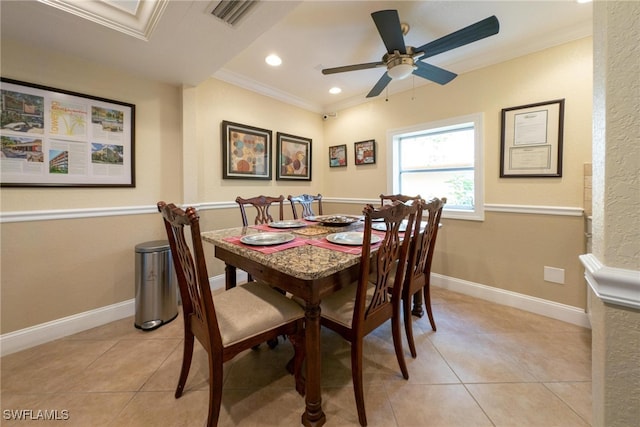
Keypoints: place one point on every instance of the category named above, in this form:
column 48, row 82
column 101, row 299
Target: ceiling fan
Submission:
column 402, row 60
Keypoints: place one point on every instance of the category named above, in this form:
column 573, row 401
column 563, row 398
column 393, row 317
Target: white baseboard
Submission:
column 217, row 283
column 563, row 312
column 60, row 328
column 49, row 331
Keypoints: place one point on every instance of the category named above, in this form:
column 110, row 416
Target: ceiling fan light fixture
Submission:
column 400, row 67
column 335, row 90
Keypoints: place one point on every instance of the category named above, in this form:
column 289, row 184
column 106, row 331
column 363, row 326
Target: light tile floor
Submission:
column 487, row 365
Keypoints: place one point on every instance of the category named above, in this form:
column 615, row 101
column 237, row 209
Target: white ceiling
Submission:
column 180, row 42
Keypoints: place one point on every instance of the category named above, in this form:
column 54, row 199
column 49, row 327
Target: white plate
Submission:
column 373, row 220
column 352, row 238
column 266, row 239
column 381, row 226
column 292, row 223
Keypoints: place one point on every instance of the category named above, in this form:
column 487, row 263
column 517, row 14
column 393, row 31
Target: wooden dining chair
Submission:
column 418, row 271
column 390, row 198
column 359, row 308
column 235, row 320
column 262, row 205
column 306, row 201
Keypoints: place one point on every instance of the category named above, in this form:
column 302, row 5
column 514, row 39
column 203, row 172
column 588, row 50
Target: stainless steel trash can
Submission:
column 156, row 285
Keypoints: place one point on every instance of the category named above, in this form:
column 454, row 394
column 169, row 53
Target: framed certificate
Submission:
column 531, row 140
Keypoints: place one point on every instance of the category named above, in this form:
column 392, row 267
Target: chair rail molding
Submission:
column 50, row 215
column 612, row 285
column 57, row 214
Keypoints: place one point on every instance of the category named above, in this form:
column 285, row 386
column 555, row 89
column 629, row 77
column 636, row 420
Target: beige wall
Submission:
column 88, row 263
column 507, row 250
column 158, row 132
column 216, row 101
column 561, row 72
column 53, row 269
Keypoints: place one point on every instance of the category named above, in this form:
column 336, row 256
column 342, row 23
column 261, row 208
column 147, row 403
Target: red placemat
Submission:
column 267, row 249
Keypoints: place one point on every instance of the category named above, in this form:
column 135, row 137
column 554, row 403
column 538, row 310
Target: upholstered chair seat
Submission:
column 250, row 309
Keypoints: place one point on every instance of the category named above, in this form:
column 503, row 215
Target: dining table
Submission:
column 310, row 260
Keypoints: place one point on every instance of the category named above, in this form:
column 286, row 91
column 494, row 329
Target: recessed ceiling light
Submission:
column 583, row 1
column 335, row 90
column 273, row 60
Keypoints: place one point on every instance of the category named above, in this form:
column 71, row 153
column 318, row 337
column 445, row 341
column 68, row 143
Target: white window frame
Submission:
column 393, row 161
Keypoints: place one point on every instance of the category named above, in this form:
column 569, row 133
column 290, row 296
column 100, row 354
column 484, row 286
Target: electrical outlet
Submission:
column 555, row 275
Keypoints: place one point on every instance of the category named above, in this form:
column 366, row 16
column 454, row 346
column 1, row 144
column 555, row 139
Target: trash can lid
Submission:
column 154, row 246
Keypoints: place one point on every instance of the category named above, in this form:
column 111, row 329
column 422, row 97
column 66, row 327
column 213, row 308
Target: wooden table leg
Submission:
column 417, row 305
column 313, row 415
column 229, row 276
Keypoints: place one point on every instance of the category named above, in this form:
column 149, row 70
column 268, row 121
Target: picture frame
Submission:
column 294, row 157
column 338, row 156
column 531, row 140
column 58, row 138
column 365, row 152
column 246, row 152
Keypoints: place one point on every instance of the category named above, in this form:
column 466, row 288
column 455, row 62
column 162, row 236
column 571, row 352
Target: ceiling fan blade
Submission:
column 474, row 32
column 388, row 24
column 433, row 73
column 354, row 67
column 379, row 87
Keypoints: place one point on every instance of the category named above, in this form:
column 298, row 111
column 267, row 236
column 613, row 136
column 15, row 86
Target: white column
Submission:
column 613, row 269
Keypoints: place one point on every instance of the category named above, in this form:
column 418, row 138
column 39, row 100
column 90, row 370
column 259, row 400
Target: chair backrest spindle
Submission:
column 262, row 205
column 191, row 272
column 306, row 201
column 391, row 250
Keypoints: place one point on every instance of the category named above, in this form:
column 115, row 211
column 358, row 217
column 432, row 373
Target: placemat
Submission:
column 267, row 249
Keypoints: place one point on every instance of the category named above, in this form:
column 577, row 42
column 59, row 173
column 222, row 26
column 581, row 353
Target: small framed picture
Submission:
column 338, row 156
column 294, row 157
column 365, row 152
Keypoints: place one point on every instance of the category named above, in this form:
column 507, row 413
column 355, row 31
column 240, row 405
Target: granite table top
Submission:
column 306, row 262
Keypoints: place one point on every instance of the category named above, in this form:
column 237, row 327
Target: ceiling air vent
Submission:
column 231, row 11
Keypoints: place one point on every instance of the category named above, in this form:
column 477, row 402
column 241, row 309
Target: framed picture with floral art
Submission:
column 294, row 157
column 246, row 152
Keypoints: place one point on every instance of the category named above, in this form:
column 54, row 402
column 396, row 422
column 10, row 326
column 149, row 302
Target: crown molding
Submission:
column 262, row 89
column 138, row 20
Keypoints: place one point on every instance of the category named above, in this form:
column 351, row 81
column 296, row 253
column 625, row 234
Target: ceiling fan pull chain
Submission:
column 413, row 88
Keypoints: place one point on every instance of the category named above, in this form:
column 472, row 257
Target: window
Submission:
column 442, row 159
